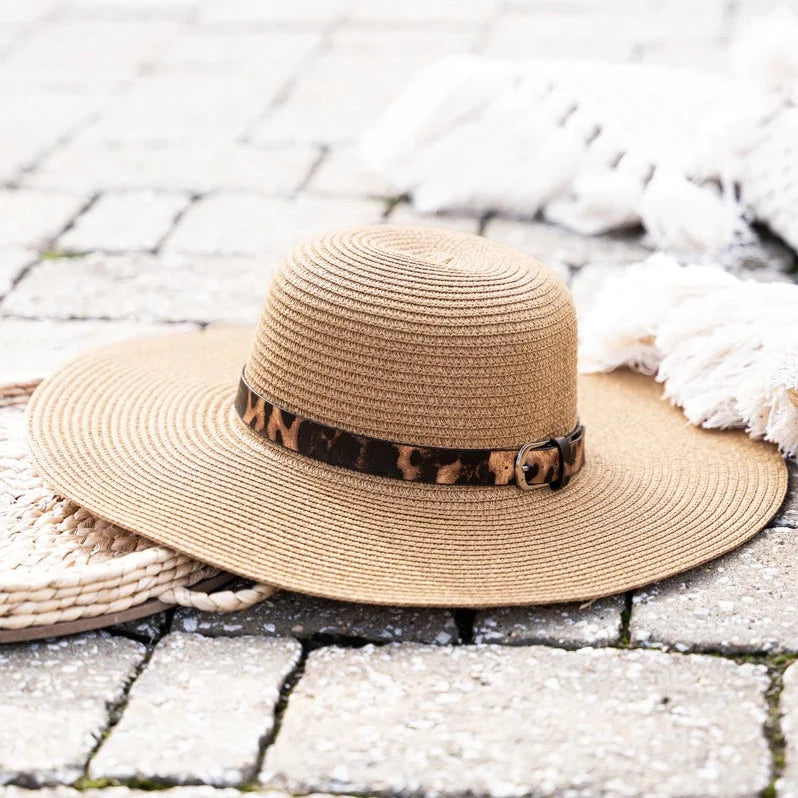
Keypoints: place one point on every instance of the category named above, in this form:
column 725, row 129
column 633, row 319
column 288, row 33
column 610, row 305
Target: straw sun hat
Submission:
column 408, row 428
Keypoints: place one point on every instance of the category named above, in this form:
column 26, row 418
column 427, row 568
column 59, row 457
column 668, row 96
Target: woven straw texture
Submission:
column 60, row 564
column 355, row 328
column 385, row 332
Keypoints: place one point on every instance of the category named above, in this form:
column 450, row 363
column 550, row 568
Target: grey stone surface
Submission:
column 148, row 630
column 34, row 348
column 708, row 56
column 55, row 703
column 57, row 52
column 124, row 221
column 341, row 173
column 291, row 614
column 405, row 215
column 742, row 602
column 12, row 261
column 788, row 704
column 615, row 31
column 788, row 512
column 32, row 218
column 199, row 711
column 196, row 791
column 171, row 107
column 261, row 52
column 249, row 224
column 549, row 33
column 189, row 167
column 568, row 625
column 139, row 9
column 422, row 13
column 491, row 720
column 562, row 250
column 169, row 287
column 323, row 108
column 254, row 12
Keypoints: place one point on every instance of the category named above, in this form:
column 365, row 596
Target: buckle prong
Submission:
column 521, row 467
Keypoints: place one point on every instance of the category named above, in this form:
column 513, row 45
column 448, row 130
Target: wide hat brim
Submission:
column 144, row 434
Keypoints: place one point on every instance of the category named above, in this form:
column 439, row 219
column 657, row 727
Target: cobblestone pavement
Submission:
column 156, row 157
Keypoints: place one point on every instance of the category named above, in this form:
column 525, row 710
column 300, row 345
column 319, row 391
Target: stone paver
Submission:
column 323, row 108
column 245, row 13
column 547, row 33
column 788, row 783
column 568, row 625
column 248, row 224
column 173, row 108
column 137, row 9
column 172, row 287
column 34, row 349
column 404, row 214
column 196, row 791
column 55, row 700
column 563, row 250
column 742, row 602
column 290, row 614
column 438, row 13
column 33, row 218
column 197, row 168
column 707, row 56
column 12, row 14
column 788, row 513
column 198, row 711
column 614, row 32
column 12, row 261
column 147, row 630
column 35, row 118
column 341, row 173
column 135, row 220
column 490, row 720
column 57, row 52
column 265, row 54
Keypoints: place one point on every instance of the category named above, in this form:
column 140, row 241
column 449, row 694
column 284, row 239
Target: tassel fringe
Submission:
column 725, row 349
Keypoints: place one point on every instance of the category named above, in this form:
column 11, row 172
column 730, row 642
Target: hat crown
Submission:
column 419, row 335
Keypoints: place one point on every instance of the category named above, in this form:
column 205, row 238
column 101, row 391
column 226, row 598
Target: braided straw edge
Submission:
column 121, row 584
column 17, row 393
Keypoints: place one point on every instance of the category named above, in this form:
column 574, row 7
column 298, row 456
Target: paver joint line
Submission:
column 286, row 689
column 116, row 710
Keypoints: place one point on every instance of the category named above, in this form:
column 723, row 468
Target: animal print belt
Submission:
column 549, row 462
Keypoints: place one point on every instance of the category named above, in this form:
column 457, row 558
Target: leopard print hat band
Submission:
column 543, row 463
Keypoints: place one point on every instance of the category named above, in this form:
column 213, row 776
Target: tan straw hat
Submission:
column 409, row 428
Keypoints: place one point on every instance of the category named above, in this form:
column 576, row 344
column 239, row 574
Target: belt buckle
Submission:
column 521, row 467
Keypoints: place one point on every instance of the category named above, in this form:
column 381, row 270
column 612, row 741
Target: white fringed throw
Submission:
column 726, row 349
column 597, row 146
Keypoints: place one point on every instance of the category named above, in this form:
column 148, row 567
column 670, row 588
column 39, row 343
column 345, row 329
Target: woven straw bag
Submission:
column 62, row 570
